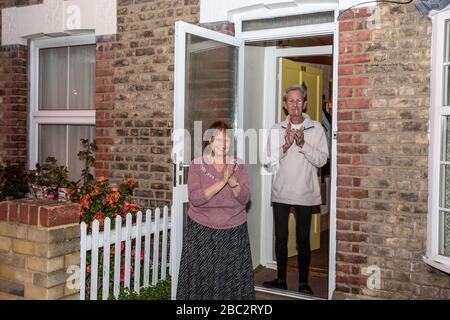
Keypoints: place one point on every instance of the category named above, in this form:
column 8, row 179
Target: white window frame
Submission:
column 437, row 111
column 63, row 117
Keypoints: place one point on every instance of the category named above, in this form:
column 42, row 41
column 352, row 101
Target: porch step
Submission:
column 263, row 293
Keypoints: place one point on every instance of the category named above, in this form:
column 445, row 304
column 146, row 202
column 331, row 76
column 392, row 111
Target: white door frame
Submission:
column 270, row 118
column 180, row 193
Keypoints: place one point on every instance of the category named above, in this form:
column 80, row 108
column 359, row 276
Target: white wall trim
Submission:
column 219, row 10
column 56, row 18
column 435, row 12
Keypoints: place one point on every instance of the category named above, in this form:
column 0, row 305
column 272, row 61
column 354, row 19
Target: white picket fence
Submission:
column 105, row 239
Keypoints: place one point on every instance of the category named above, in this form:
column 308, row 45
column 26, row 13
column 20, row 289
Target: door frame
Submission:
column 270, row 118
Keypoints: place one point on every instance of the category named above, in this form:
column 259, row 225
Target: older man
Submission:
column 297, row 147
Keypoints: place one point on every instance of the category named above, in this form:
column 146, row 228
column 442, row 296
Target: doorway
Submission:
column 253, row 98
column 270, row 67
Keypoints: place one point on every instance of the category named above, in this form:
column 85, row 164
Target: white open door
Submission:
column 208, row 87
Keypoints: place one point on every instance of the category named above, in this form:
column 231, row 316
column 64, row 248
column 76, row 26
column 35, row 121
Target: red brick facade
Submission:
column 104, row 98
column 13, row 95
column 13, row 103
column 353, row 82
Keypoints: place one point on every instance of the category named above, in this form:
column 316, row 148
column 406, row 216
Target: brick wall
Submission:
column 13, row 103
column 104, row 103
column 13, row 96
column 39, row 240
column 384, row 74
column 135, row 97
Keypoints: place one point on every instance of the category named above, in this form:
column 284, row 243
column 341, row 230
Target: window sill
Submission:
column 436, row 264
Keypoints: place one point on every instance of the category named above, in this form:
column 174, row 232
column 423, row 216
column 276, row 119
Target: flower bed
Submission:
column 103, row 200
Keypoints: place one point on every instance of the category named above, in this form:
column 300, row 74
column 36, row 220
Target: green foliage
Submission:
column 50, row 177
column 87, row 179
column 161, row 291
column 13, row 182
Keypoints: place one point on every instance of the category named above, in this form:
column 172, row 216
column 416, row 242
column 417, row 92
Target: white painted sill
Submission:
column 437, row 264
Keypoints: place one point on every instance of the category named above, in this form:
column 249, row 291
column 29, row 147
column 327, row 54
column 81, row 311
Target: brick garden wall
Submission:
column 39, row 240
column 384, row 76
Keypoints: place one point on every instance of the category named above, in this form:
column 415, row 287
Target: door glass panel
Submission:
column 210, row 90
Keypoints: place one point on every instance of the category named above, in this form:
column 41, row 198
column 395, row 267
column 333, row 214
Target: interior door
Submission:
column 208, row 87
column 295, row 73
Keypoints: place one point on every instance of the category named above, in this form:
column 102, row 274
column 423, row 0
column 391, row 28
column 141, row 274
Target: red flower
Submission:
column 88, row 269
column 97, row 191
column 126, row 206
column 122, row 273
column 100, row 179
column 99, row 216
column 86, row 201
column 129, row 182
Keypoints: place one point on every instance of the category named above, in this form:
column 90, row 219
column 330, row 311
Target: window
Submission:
column 62, row 99
column 288, row 21
column 438, row 236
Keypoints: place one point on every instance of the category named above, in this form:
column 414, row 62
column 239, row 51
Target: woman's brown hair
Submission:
column 222, row 126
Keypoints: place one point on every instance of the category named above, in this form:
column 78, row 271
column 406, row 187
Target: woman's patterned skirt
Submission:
column 216, row 264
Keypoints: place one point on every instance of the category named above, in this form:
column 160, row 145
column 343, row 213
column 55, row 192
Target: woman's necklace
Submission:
column 213, row 163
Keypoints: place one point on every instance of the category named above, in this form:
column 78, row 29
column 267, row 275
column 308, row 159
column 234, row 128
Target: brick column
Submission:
column 13, row 103
column 38, row 241
column 104, row 105
column 353, row 101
